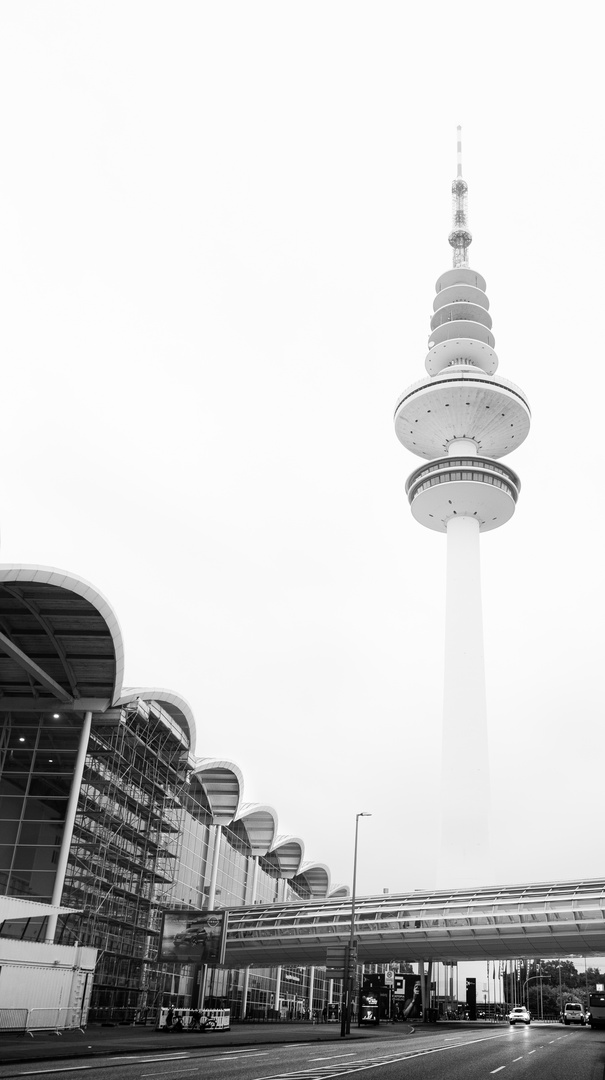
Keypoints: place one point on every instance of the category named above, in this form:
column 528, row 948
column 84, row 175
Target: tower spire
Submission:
column 460, row 237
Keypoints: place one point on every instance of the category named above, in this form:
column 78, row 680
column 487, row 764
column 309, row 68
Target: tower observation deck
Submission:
column 462, row 419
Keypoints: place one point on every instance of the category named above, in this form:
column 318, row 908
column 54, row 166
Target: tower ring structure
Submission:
column 462, row 402
column 466, row 487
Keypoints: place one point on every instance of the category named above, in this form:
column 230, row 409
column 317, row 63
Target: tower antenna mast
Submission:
column 460, row 237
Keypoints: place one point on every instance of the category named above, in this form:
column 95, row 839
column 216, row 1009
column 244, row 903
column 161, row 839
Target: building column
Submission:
column 425, row 977
column 330, row 991
column 252, row 897
column 68, row 829
column 216, row 851
column 245, row 991
column 311, row 989
column 278, row 988
column 422, row 985
column 214, row 870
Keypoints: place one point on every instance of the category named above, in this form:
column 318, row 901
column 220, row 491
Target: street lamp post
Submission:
column 525, row 984
column 345, row 1024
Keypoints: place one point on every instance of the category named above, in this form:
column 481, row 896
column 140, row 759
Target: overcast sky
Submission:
column 220, row 229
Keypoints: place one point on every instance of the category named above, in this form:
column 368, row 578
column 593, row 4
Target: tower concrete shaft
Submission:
column 462, row 419
column 465, row 783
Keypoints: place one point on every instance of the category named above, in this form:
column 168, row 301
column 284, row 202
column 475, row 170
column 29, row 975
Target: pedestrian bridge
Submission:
column 548, row 920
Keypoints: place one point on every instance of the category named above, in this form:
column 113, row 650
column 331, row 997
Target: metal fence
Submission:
column 31, row 1020
column 13, row 1019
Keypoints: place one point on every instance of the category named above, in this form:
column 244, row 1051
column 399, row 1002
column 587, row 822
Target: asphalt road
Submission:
column 538, row 1052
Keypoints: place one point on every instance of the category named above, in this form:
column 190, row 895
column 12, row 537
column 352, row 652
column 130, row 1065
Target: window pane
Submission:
column 10, row 807
column 50, row 809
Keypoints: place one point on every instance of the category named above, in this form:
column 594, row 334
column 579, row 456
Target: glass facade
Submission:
column 143, row 840
column 37, row 758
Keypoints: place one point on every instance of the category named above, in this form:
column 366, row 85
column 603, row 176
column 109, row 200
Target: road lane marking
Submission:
column 174, row 1055
column 104, row 1064
column 232, row 1057
column 363, row 1066
column 249, row 1050
column 333, row 1057
column 68, row 1068
column 180, row 1072
column 518, row 1059
column 530, row 1052
column 499, row 1069
column 147, row 1060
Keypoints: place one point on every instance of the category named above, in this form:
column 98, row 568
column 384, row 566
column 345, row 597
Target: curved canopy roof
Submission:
column 61, row 648
column 287, row 854
column 60, row 642
column 223, row 784
column 340, row 891
column 316, row 877
column 176, row 706
column 260, row 823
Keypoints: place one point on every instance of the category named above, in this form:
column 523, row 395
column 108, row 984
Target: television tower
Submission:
column 463, row 419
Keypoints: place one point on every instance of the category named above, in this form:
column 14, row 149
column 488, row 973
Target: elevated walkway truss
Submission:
column 552, row 919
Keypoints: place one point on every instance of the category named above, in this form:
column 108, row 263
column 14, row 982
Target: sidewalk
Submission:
column 98, row 1040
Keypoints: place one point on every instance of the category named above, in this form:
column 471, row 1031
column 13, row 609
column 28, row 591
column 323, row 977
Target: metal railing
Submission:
column 30, row 1020
column 13, row 1019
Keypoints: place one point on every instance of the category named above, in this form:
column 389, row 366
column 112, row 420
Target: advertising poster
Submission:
column 369, row 1009
column 390, row 996
column 407, row 999
column 193, row 937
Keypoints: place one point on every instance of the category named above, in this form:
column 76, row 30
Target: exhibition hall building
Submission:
column 108, row 816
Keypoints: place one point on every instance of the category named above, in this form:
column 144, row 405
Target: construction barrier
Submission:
column 193, row 1020
column 13, row 1019
column 57, row 1020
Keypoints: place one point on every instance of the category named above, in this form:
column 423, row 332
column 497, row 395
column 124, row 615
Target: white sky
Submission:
column 220, row 228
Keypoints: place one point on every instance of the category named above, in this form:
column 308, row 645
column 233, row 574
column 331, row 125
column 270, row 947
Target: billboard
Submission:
column 407, row 996
column 193, row 937
column 397, row 995
column 369, row 1010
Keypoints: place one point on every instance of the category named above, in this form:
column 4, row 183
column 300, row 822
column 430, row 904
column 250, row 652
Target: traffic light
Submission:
column 471, row 998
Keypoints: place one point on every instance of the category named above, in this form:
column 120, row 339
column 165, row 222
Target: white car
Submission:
column 519, row 1015
column 573, row 1013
